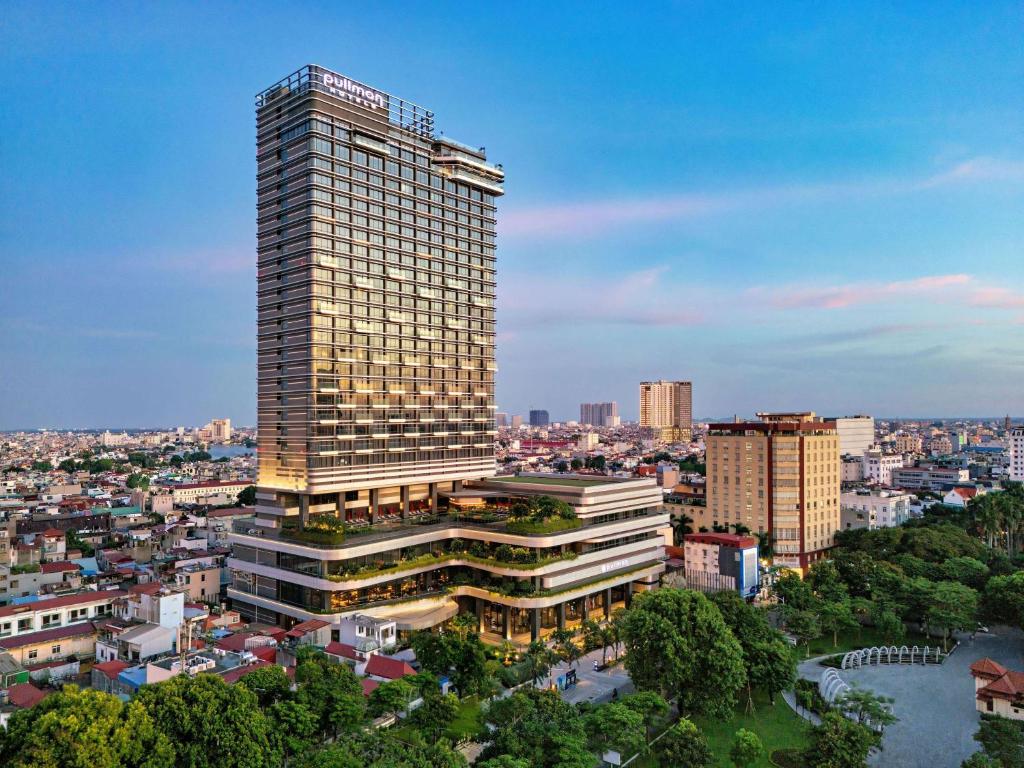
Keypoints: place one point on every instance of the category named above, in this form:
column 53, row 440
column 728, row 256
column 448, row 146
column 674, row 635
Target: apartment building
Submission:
column 874, row 508
column 721, row 561
column 1017, row 454
column 599, row 414
column 376, row 286
column 206, row 492
column 856, row 434
column 878, row 466
column 666, row 409
column 779, row 475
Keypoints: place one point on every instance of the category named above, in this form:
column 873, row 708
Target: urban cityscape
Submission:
column 365, row 535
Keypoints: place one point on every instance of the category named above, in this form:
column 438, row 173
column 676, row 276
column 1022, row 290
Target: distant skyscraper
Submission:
column 517, row 422
column 1007, row 423
column 599, row 414
column 666, row 408
column 501, row 419
column 539, row 419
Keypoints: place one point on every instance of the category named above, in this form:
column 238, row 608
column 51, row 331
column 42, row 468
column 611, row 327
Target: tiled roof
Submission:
column 368, row 685
column 62, row 565
column 46, row 635
column 24, row 695
column 988, row 668
column 65, row 601
column 341, row 649
column 388, row 668
column 111, row 669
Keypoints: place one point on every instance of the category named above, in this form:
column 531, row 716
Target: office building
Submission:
column 539, row 419
column 501, row 419
column 666, row 409
column 376, row 392
column 1017, row 454
column 220, row 430
column 599, row 414
column 928, row 477
column 721, row 561
column 778, row 475
column 856, row 434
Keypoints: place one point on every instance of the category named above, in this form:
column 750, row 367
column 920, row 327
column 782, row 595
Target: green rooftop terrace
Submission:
column 576, row 482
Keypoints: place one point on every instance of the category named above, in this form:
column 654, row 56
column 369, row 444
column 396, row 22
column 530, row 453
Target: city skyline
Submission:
column 860, row 231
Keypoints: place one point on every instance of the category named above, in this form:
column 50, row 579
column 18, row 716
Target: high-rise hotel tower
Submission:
column 376, row 259
column 376, row 301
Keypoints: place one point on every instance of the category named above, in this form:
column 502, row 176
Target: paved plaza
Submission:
column 596, row 687
column 934, row 703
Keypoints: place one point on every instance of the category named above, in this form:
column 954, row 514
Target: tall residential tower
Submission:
column 666, row 409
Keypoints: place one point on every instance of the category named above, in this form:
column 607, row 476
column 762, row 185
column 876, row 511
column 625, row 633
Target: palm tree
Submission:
column 741, row 529
column 608, row 637
column 764, row 545
column 539, row 659
column 986, row 517
column 566, row 647
column 681, row 525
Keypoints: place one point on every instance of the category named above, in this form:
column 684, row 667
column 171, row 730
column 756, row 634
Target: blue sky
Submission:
column 814, row 205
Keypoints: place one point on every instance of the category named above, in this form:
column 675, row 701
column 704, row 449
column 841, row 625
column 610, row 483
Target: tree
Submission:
column 592, row 636
column 1002, row 739
column 838, row 743
column 566, row 647
column 294, row 726
column 615, row 727
column 391, row 698
column 537, row 726
column 211, row 724
column 867, row 709
column 247, row 496
column 953, row 607
column 68, row 465
column 890, row 626
column 967, row 570
column 331, row 691
column 650, row 706
column 678, row 643
column 138, row 480
column 84, row 728
column 1003, row 599
column 980, row 760
column 746, row 748
column 836, row 617
column 437, row 712
column 682, row 745
column 576, row 464
column 504, row 761
column 270, row 684
column 804, row 626
column 469, row 672
column 539, row 659
column 768, row 657
column 380, row 749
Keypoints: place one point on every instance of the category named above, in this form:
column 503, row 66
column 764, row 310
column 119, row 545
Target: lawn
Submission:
column 467, row 721
column 865, row 637
column 778, row 727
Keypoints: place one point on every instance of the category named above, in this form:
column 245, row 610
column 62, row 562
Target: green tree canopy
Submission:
column 84, row 728
column 210, row 723
column 678, row 644
column 838, row 743
column 683, row 745
column 746, row 748
column 537, row 726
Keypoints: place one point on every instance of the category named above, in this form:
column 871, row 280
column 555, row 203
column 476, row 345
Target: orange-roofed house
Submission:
column 998, row 690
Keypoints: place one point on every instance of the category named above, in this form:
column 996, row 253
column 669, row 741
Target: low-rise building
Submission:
column 928, row 477
column 874, row 508
column 878, row 466
column 960, row 495
column 998, row 690
column 717, row 562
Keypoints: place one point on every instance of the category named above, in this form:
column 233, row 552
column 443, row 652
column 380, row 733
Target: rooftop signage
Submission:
column 357, row 93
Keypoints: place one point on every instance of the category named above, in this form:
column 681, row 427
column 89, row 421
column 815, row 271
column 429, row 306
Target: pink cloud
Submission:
column 852, row 294
column 996, row 298
column 595, row 216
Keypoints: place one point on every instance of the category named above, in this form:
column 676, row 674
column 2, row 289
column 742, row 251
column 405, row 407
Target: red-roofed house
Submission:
column 959, row 495
column 104, row 675
column 312, row 632
column 25, row 695
column 369, row 686
column 998, row 690
column 384, row 668
column 344, row 653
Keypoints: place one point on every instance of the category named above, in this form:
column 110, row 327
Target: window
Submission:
column 55, row 649
column 33, row 654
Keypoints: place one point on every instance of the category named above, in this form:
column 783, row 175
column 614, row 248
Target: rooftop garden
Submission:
column 319, row 529
column 541, row 514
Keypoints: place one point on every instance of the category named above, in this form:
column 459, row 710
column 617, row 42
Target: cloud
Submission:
column 851, row 294
column 996, row 298
column 597, row 216
column 645, row 297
